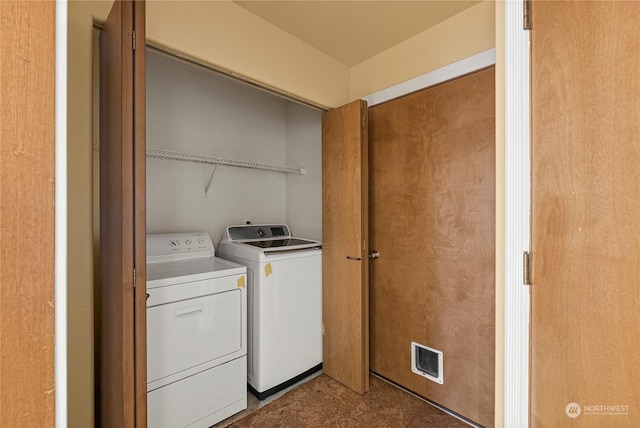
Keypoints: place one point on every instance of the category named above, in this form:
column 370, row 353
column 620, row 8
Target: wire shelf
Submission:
column 214, row 160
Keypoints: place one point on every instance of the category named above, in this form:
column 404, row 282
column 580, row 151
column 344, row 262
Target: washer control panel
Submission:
column 167, row 247
column 260, row 231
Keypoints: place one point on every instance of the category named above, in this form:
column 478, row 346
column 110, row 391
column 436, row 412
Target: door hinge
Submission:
column 134, row 40
column 134, row 277
column 364, row 123
column 526, row 268
column 526, row 6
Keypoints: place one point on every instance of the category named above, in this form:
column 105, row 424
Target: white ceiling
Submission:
column 355, row 30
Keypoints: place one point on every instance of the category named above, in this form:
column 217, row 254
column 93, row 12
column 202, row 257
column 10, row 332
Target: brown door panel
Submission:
column 432, row 218
column 585, row 173
column 122, row 217
column 345, row 293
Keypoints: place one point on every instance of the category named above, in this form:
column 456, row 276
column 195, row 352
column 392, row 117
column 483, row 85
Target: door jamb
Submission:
column 517, row 216
column 60, row 237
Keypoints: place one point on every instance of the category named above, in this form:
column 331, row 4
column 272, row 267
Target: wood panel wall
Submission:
column 27, row 65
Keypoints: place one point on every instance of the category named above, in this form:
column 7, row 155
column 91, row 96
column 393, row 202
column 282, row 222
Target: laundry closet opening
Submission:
column 433, row 152
column 194, row 110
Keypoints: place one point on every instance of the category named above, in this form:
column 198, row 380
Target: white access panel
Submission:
column 219, row 395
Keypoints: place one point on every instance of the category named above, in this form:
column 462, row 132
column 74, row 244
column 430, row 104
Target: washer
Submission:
column 285, row 304
column 196, row 332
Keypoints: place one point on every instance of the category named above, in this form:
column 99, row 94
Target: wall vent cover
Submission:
column 427, row 362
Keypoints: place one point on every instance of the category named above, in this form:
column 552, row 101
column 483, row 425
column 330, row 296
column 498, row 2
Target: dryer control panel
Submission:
column 168, row 247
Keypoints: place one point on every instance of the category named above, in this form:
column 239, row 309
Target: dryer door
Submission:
column 192, row 335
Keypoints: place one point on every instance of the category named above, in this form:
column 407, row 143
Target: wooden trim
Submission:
column 139, row 212
column 27, row 115
column 364, row 113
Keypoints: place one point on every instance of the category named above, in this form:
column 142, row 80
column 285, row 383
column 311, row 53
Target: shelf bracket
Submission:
column 208, row 184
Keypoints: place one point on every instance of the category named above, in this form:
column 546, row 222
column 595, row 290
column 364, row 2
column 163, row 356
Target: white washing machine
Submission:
column 285, row 304
column 196, row 332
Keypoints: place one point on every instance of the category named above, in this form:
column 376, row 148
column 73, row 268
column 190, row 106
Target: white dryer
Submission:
column 285, row 304
column 196, row 332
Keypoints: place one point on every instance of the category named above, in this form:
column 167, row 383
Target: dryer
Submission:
column 285, row 304
column 196, row 332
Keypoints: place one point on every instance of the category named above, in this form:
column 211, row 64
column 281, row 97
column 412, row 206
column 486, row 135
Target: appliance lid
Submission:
column 268, row 238
column 171, row 273
column 278, row 243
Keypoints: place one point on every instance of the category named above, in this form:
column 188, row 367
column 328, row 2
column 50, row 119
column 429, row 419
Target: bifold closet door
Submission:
column 345, row 267
column 585, row 231
column 123, row 386
column 432, row 220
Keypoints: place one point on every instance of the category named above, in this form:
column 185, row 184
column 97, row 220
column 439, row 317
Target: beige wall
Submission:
column 80, row 311
column 462, row 35
column 231, row 39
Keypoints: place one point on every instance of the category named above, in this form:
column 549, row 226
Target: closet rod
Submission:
column 213, row 160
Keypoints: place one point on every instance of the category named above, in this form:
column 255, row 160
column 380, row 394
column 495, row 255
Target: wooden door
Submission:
column 122, row 216
column 432, row 220
column 585, row 315
column 27, row 126
column 345, row 266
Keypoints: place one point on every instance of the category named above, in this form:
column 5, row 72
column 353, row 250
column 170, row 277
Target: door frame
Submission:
column 517, row 207
column 60, row 236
